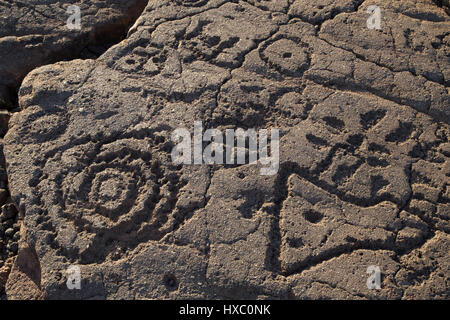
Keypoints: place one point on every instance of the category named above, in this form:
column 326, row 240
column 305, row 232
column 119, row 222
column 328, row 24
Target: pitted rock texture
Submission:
column 34, row 33
column 364, row 156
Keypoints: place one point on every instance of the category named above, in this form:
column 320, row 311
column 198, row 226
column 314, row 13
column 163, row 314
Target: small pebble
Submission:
column 9, row 211
column 8, row 223
column 12, row 247
column 9, row 232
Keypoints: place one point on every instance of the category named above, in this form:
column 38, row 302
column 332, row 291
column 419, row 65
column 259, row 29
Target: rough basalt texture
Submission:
column 34, row 33
column 364, row 156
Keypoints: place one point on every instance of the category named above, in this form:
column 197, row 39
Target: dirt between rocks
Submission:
column 87, row 178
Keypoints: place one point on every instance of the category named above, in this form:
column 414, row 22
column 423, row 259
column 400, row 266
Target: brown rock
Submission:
column 362, row 179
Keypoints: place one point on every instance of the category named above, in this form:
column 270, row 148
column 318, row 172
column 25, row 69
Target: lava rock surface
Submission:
column 364, row 156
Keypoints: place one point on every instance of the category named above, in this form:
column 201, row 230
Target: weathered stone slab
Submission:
column 364, row 158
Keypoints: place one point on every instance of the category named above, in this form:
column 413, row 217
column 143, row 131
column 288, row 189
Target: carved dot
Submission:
column 371, row 118
column 313, row 216
column 295, row 243
column 213, row 41
column 316, row 140
column 334, row 122
column 170, row 281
